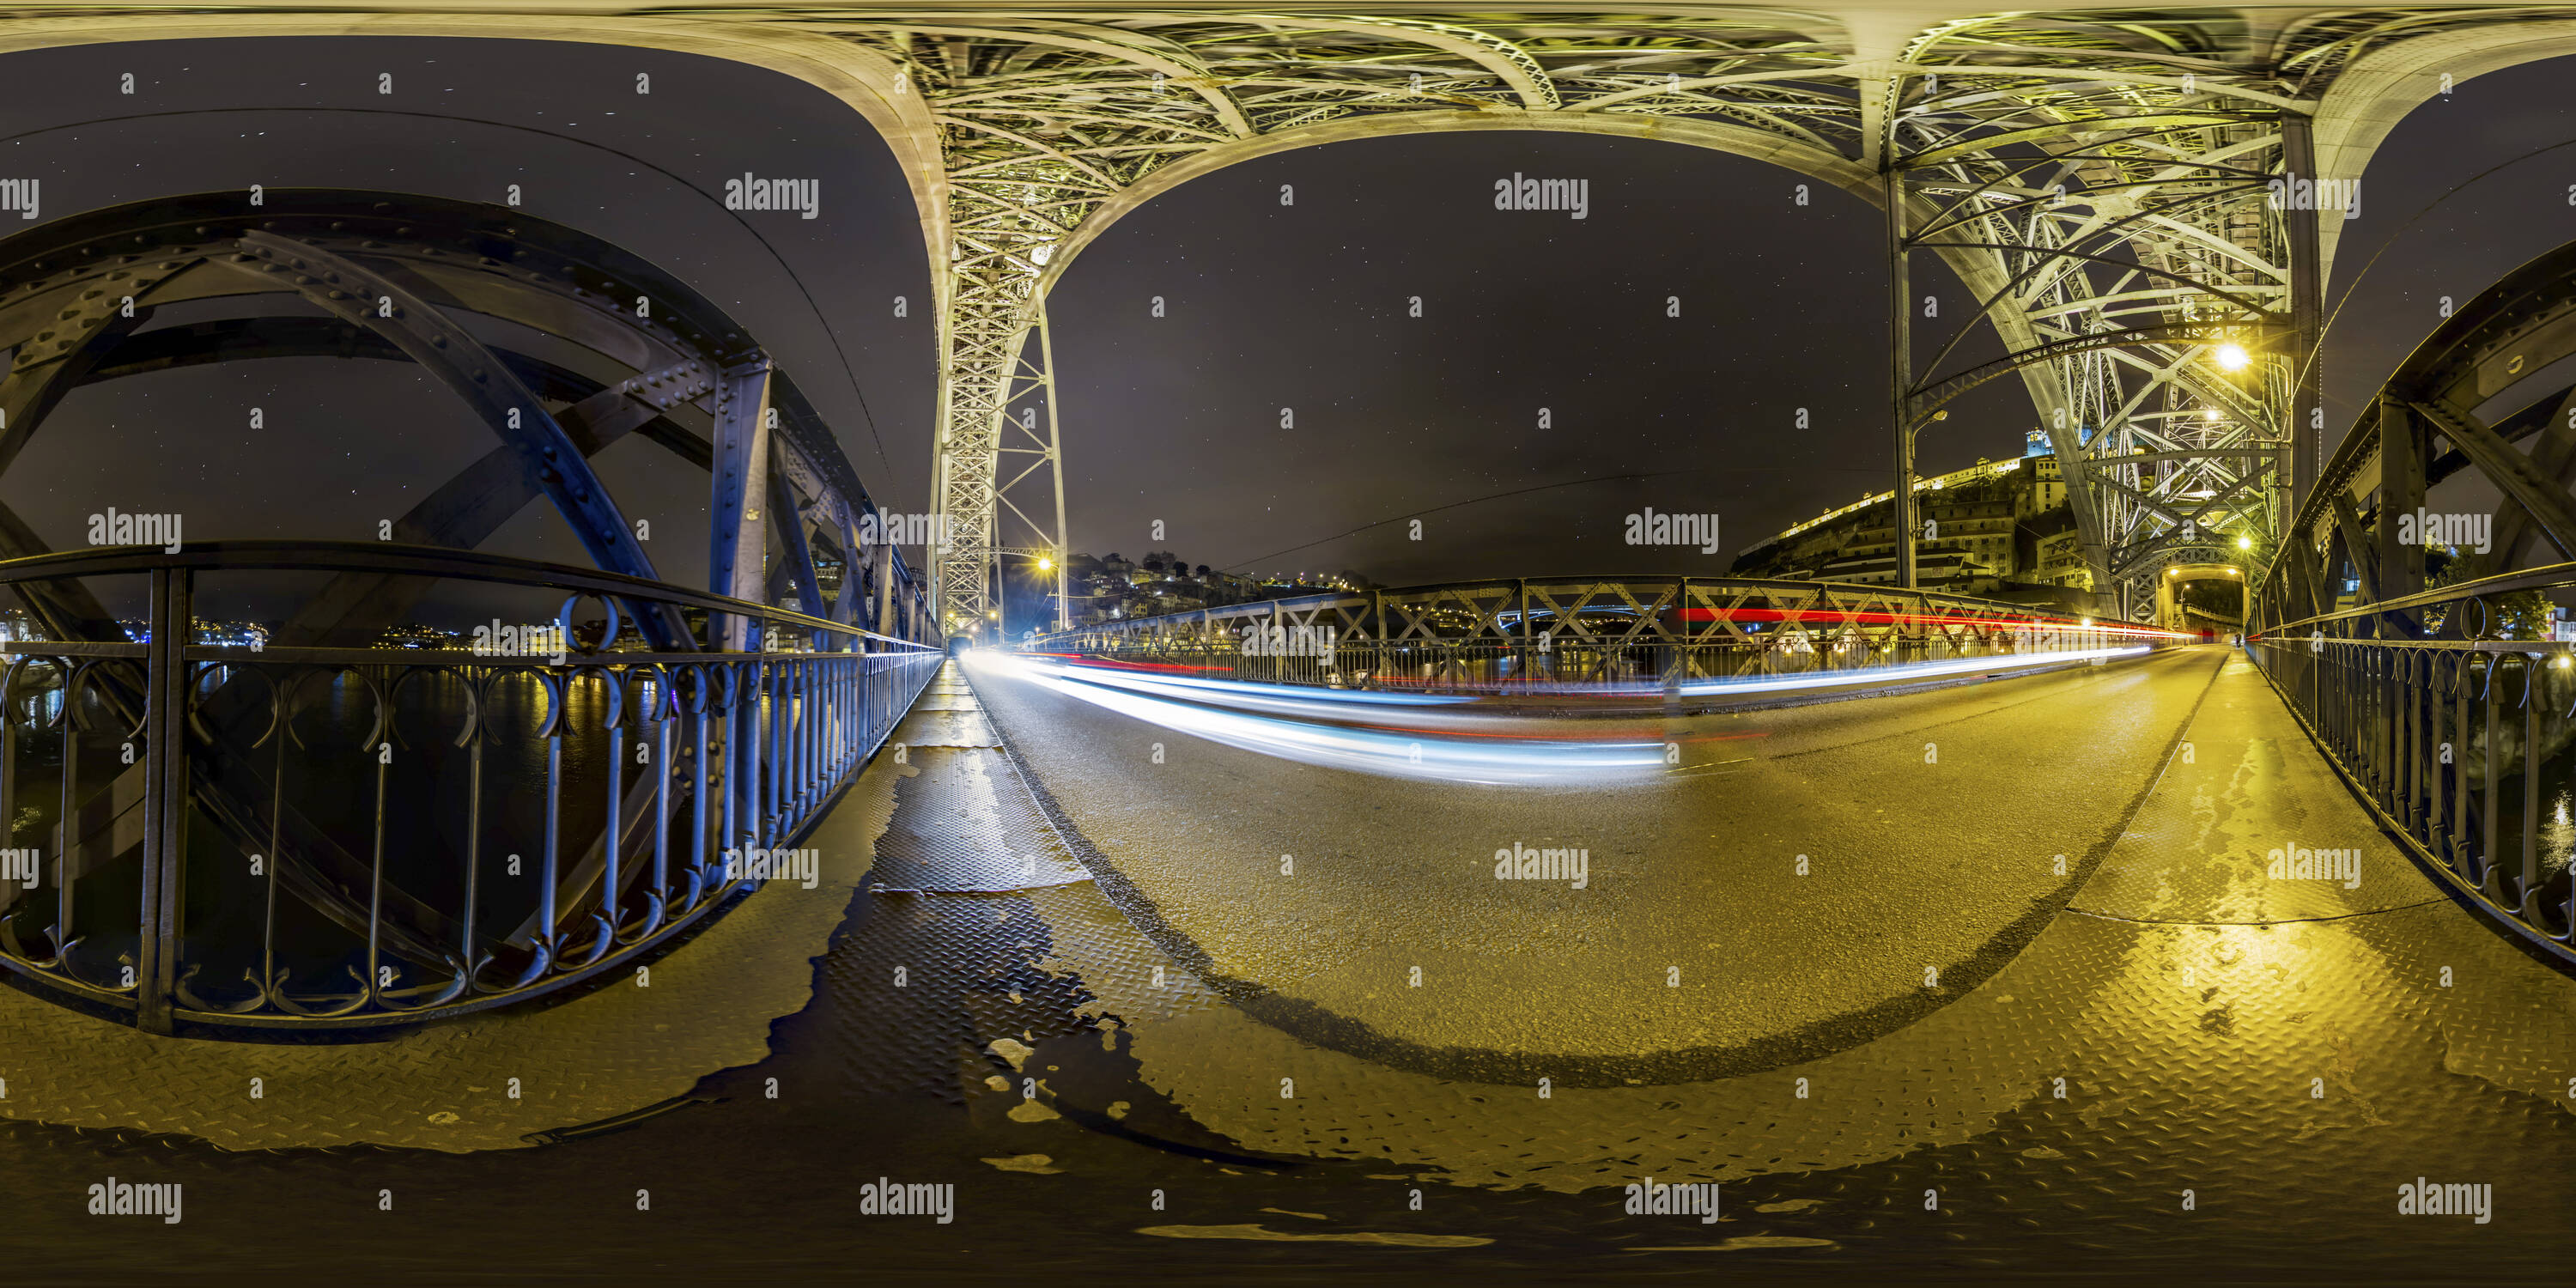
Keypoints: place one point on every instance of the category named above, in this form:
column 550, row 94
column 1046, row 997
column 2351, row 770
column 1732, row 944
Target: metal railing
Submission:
column 1626, row 637
column 2457, row 741
column 229, row 854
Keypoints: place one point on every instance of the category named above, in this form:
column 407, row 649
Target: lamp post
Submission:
column 1046, row 562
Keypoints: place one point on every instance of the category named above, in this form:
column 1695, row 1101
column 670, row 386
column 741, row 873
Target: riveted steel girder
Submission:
column 2098, row 174
column 2481, row 382
column 73, row 292
column 737, row 508
column 364, row 297
column 2100, row 186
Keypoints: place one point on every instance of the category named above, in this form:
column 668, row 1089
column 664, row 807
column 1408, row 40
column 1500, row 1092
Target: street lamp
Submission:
column 2233, row 356
column 1045, row 561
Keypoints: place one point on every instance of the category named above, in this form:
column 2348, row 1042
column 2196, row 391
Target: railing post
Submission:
column 1673, row 657
column 2527, row 883
column 165, row 796
column 1521, row 645
column 1377, row 628
column 2494, row 783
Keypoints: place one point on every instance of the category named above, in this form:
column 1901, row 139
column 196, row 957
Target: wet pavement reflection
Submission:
column 2190, row 1068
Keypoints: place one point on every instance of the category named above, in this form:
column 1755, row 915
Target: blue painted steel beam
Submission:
column 363, row 297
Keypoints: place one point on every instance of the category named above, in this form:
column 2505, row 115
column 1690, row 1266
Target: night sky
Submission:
column 1174, row 418
column 348, row 443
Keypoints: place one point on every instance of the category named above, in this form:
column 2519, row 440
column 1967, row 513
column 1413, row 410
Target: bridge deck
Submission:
column 2270, row 1046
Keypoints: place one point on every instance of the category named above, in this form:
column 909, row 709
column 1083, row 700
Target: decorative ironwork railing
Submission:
column 2462, row 745
column 2444, row 706
column 1614, row 637
column 235, row 840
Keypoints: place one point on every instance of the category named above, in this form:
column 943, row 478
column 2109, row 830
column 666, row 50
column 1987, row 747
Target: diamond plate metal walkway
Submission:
column 2190, row 1062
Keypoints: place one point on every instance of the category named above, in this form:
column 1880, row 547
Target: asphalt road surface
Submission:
column 1804, row 880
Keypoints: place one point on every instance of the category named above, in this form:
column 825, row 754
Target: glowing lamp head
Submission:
column 2233, row 357
column 2245, row 543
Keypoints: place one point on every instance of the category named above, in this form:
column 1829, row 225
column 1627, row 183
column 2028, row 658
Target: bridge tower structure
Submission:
column 2131, row 194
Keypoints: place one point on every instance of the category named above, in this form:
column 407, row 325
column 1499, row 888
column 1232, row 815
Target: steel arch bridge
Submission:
column 2102, row 179
column 2487, row 395
column 397, row 275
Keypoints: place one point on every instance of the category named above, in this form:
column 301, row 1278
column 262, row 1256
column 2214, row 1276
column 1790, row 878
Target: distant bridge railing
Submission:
column 233, row 841
column 1631, row 637
column 2462, row 743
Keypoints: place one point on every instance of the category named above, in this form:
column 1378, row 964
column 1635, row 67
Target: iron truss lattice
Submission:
column 2103, row 182
column 2100, row 179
